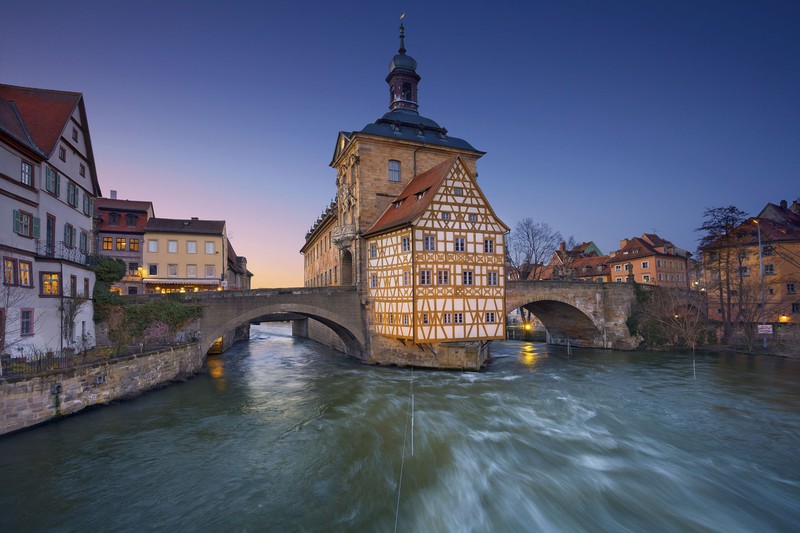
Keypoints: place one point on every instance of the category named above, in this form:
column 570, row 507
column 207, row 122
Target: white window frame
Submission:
column 210, row 248
column 210, row 271
column 152, row 246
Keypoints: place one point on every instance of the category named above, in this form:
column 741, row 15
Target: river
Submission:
column 285, row 435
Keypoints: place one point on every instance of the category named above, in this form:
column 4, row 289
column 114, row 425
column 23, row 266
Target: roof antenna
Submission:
column 402, row 49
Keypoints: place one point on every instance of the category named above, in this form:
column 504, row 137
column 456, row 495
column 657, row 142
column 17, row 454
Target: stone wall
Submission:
column 26, row 402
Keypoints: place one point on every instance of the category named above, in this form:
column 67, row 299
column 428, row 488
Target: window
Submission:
column 769, row 270
column 424, row 318
column 488, row 246
column 172, row 247
column 617, row 268
column 405, row 320
column 429, row 243
column 51, row 285
column 490, row 317
column 391, row 319
column 767, row 250
column 209, row 247
column 744, row 270
column 52, row 183
column 74, row 134
column 172, row 271
column 445, row 216
column 26, row 176
column 373, row 281
column 459, row 244
column 10, row 271
column 86, row 287
column 191, row 247
column 796, row 308
column 72, row 194
column 113, row 219
column 210, row 271
column 467, row 278
column 152, row 270
column 373, row 251
column 458, row 318
column 108, row 243
column 491, row 279
column 26, row 224
column 133, row 245
column 62, row 153
column 406, row 243
column 424, row 277
column 458, row 191
column 133, row 268
column 84, row 243
column 121, row 242
column 645, row 264
column 26, row 322
column 618, row 280
column 443, row 277
column 82, row 170
column 88, row 204
column 790, row 288
column 407, row 277
column 191, row 271
column 70, row 236
column 473, row 217
column 394, row 170
column 25, row 272
column 447, row 318
column 152, row 245
column 130, row 220
column 646, row 278
column 73, row 285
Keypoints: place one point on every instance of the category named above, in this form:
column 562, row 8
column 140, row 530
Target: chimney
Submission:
column 783, row 204
column 623, row 243
column 795, row 207
column 562, row 246
column 113, row 195
column 194, row 218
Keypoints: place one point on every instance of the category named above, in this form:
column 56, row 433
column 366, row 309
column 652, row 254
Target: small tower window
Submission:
column 394, row 170
column 407, row 91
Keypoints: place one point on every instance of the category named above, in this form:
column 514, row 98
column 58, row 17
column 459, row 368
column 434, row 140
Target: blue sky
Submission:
column 603, row 119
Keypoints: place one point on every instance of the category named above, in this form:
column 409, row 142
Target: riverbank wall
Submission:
column 29, row 401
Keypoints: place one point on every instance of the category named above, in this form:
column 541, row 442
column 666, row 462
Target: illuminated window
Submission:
column 108, row 243
column 133, row 245
column 25, row 272
column 51, row 285
column 121, row 242
column 172, row 247
column 10, row 271
column 394, row 170
column 27, row 174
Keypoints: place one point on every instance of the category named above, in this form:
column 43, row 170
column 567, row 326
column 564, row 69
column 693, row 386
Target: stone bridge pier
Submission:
column 581, row 313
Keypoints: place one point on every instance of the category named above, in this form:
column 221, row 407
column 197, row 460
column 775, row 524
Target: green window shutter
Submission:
column 67, row 234
column 58, row 184
column 17, row 224
column 36, row 225
column 91, row 206
column 74, row 236
column 85, row 204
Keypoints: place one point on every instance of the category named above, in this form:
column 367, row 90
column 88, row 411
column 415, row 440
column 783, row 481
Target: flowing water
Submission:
column 285, row 435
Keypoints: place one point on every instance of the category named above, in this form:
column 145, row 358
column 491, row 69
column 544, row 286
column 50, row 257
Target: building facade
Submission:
column 374, row 167
column 120, row 228
column 184, row 255
column 48, row 185
column 650, row 259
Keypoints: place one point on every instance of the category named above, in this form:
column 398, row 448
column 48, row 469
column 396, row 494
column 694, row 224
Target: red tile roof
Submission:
column 411, row 205
column 122, row 205
column 11, row 125
column 44, row 112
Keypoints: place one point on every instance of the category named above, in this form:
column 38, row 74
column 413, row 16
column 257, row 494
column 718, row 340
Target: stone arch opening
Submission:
column 347, row 268
column 566, row 323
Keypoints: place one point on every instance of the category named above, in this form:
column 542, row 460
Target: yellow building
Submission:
column 184, row 255
column 436, row 261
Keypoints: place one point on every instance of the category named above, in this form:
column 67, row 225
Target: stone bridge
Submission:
column 581, row 313
column 339, row 308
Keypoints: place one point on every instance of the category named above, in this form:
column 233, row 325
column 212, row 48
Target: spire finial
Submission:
column 402, row 49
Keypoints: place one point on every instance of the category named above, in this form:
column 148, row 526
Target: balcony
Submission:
column 343, row 235
column 59, row 250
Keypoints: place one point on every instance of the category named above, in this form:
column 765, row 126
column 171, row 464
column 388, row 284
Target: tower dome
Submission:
column 403, row 79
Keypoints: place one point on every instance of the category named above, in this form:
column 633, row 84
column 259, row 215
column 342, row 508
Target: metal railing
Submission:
column 59, row 250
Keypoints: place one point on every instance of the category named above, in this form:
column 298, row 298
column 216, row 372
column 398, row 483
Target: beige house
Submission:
column 184, row 255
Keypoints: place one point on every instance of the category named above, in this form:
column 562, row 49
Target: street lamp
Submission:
column 761, row 277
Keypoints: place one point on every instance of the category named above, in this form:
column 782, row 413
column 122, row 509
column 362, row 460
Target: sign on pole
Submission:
column 765, row 329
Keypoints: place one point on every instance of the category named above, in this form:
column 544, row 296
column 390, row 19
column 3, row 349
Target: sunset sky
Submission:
column 605, row 119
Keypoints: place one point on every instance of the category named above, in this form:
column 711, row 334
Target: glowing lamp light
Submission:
column 528, row 326
column 784, row 318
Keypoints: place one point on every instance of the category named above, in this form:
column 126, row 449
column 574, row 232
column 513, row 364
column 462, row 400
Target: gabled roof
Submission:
column 648, row 244
column 11, row 124
column 44, row 112
column 414, row 199
column 109, row 204
column 194, row 225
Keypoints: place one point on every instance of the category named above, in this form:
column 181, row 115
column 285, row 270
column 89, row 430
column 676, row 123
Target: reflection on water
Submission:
column 282, row 434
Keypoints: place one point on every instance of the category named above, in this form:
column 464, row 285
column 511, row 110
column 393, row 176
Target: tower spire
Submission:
column 403, row 77
column 402, row 49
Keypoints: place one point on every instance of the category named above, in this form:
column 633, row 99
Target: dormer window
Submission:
column 113, row 219
column 397, row 204
column 420, row 195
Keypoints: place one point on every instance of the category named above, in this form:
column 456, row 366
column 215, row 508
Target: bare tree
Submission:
column 672, row 316
column 722, row 258
column 530, row 245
